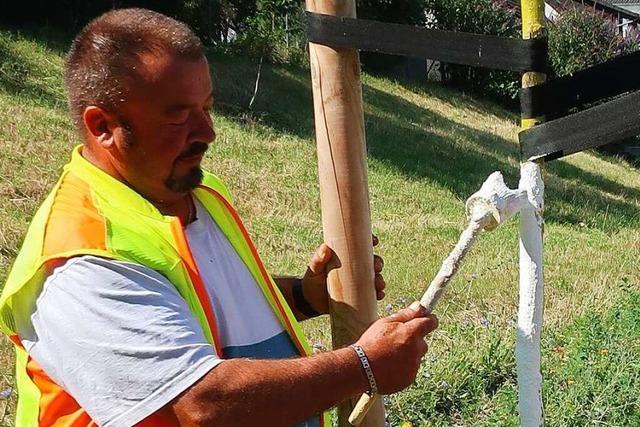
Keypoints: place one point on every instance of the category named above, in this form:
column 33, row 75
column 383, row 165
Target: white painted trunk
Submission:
column 531, row 299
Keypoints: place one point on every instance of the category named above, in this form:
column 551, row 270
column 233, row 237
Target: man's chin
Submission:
column 187, row 182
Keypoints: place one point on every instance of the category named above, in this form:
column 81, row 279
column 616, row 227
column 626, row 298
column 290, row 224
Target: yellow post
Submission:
column 532, row 27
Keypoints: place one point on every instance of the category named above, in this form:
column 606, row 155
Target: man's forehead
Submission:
column 174, row 79
column 156, row 68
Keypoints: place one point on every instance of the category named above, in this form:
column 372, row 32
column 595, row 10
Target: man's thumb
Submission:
column 319, row 259
column 409, row 313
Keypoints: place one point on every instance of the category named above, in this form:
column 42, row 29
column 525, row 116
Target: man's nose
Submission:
column 203, row 130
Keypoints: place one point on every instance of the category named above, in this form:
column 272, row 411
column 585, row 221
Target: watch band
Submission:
column 300, row 301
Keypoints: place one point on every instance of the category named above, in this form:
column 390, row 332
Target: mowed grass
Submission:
column 429, row 148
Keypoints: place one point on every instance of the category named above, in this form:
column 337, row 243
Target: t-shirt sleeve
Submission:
column 118, row 337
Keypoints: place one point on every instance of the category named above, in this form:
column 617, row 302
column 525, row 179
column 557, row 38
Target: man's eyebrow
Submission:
column 179, row 107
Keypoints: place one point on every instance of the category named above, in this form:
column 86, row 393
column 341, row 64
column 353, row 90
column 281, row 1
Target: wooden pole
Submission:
column 530, row 308
column 344, row 192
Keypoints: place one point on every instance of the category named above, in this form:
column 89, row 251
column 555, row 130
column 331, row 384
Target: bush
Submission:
column 275, row 33
column 493, row 17
column 581, row 37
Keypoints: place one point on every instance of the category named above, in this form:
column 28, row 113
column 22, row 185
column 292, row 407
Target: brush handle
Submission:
column 478, row 222
column 362, row 407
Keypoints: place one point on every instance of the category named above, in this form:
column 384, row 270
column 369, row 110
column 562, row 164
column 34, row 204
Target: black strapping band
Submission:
column 606, row 123
column 557, row 97
column 479, row 50
column 535, row 102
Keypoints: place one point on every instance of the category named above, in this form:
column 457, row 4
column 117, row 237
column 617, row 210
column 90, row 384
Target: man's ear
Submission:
column 100, row 124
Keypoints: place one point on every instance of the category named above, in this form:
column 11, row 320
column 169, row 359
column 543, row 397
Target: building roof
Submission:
column 612, row 7
column 625, row 2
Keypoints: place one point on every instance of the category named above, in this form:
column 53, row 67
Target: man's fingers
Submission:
column 423, row 347
column 378, row 263
column 379, row 283
column 319, row 259
column 423, row 325
column 380, row 295
column 415, row 310
column 375, row 240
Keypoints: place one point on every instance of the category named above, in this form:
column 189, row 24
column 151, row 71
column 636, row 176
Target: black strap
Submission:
column 606, row 123
column 453, row 47
column 535, row 102
column 300, row 301
column 557, row 97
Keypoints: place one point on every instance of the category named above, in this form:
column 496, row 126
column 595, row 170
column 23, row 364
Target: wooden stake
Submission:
column 344, row 194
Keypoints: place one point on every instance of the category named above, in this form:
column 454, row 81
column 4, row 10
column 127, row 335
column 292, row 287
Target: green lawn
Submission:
column 429, row 148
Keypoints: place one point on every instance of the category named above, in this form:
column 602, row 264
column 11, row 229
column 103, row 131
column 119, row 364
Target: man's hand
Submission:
column 240, row 391
column 395, row 346
column 314, row 282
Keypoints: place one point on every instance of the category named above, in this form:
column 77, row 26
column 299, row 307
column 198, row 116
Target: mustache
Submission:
column 195, row 149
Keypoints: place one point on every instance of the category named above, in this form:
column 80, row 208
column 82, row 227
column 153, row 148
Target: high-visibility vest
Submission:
column 88, row 212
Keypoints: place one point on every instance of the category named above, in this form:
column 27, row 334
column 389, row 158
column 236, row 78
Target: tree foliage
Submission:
column 581, row 37
column 396, row 11
column 275, row 32
column 493, row 17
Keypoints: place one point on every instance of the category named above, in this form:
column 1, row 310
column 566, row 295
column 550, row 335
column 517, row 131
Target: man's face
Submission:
column 166, row 127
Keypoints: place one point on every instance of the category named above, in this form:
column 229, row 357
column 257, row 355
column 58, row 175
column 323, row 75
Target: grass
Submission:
column 428, row 148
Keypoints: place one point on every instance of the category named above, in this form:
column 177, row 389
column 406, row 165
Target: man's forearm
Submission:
column 286, row 284
column 243, row 392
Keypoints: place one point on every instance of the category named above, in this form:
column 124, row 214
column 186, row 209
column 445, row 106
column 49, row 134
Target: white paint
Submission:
column 481, row 217
column 531, row 299
column 495, row 196
column 487, row 208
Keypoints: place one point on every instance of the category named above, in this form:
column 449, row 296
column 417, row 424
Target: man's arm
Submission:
column 282, row 392
column 241, row 392
column 312, row 297
column 124, row 330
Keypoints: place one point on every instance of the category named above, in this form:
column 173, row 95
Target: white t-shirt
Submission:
column 120, row 339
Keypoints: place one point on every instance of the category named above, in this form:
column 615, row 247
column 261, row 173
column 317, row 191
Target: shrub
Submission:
column 275, row 33
column 581, row 37
column 493, row 17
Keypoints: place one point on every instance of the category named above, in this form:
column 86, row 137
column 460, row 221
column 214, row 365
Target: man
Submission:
column 138, row 297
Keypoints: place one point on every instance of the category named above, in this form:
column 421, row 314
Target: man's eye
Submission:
column 179, row 120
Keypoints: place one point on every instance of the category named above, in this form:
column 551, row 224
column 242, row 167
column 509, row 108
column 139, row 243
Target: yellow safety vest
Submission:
column 88, row 212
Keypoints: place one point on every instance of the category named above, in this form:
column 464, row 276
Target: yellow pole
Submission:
column 344, row 191
column 532, row 27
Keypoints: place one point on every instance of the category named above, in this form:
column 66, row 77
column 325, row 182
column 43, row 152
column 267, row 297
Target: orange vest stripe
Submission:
column 196, row 279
